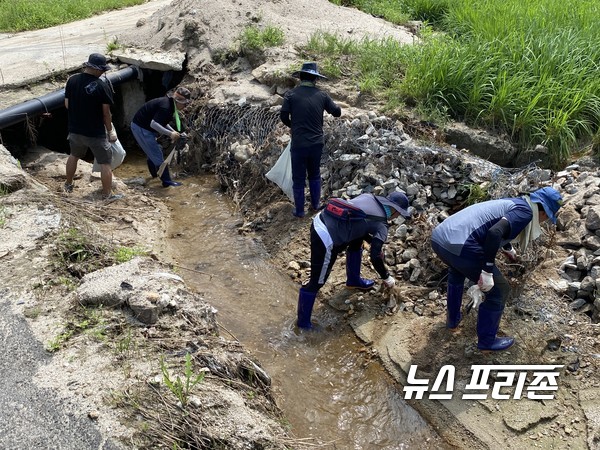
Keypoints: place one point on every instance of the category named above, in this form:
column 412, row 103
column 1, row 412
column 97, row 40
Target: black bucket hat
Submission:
column 97, row 61
column 310, row 68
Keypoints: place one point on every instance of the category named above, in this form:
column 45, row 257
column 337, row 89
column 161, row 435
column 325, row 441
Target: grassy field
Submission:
column 23, row 15
column 527, row 68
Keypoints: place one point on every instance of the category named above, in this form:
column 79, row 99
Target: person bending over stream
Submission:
column 344, row 225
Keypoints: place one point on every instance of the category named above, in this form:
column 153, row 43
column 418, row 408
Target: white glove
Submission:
column 510, row 254
column 486, row 281
column 389, row 281
column 112, row 135
column 476, row 296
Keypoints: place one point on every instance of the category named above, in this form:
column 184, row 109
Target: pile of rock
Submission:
column 372, row 153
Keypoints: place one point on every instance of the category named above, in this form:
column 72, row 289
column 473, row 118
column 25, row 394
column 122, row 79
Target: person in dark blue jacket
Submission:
column 468, row 242
column 331, row 235
column 302, row 110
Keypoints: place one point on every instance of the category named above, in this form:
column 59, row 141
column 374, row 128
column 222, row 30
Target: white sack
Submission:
column 281, row 172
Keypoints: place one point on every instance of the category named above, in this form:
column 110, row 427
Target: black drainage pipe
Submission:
column 54, row 100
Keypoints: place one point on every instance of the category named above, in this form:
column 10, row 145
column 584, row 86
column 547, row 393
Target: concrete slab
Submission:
column 163, row 61
column 31, row 56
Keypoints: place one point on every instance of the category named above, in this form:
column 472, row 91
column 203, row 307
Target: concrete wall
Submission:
column 132, row 99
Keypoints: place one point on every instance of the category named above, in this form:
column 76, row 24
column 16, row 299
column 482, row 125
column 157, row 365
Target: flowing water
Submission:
column 327, row 392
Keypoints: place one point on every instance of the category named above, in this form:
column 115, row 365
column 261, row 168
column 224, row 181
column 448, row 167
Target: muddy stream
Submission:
column 320, row 380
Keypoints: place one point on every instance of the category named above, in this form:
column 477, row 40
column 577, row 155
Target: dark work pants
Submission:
column 306, row 161
column 322, row 260
column 470, row 266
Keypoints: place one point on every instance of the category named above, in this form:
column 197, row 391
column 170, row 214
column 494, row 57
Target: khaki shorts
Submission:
column 99, row 146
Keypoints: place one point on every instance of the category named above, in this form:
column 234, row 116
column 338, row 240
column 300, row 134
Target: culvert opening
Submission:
column 43, row 121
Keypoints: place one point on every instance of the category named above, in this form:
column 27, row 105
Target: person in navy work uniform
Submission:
column 330, row 235
column 88, row 100
column 468, row 242
column 153, row 119
column 302, row 111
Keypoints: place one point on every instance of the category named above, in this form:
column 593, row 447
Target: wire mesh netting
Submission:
column 242, row 142
column 225, row 124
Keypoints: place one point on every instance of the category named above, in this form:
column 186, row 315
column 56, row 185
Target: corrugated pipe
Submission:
column 54, row 100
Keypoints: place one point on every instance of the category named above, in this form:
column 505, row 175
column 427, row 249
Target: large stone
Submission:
column 524, row 414
column 12, row 178
column 592, row 220
column 144, row 307
column 161, row 61
column 108, row 286
column 589, row 400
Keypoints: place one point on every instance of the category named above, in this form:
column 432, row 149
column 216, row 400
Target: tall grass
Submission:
column 24, row 15
column 528, row 68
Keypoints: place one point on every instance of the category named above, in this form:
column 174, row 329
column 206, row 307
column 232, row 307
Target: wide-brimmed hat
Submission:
column 398, row 201
column 183, row 92
column 550, row 200
column 310, row 68
column 97, row 61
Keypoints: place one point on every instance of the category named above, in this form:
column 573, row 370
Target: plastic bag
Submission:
column 281, row 172
column 118, row 155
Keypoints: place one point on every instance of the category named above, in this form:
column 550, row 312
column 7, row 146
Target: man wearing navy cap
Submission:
column 468, row 242
column 88, row 100
column 331, row 235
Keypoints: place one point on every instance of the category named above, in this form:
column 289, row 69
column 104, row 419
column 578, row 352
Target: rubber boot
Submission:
column 353, row 279
column 152, row 168
column 488, row 322
column 306, row 300
column 166, row 179
column 314, row 187
column 454, row 303
column 298, row 202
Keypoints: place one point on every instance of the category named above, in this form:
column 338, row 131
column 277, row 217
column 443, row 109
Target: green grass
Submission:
column 124, row 254
column 88, row 321
column 529, row 69
column 23, row 15
column 394, row 11
column 254, row 38
column 181, row 387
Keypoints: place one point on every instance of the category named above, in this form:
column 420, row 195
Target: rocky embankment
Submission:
column 553, row 308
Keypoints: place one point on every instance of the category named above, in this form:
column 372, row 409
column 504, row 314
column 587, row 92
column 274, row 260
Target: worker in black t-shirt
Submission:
column 302, row 111
column 88, row 100
column 151, row 120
